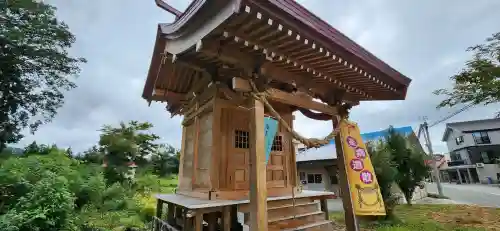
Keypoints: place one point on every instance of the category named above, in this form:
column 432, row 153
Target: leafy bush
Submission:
column 48, row 206
column 55, row 192
column 386, row 174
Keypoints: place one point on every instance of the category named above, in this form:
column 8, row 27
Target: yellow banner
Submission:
column 365, row 191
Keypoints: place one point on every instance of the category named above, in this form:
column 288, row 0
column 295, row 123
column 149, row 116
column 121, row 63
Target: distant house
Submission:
column 474, row 148
column 318, row 167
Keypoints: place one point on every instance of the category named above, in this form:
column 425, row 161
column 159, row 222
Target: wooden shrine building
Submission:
column 224, row 65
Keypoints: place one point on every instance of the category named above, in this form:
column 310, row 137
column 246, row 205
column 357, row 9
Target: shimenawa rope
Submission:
column 308, row 142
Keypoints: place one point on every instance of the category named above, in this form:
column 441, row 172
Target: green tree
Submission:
column 42, row 149
column 386, row 172
column 34, row 66
column 479, row 81
column 165, row 161
column 128, row 142
column 92, row 155
column 409, row 162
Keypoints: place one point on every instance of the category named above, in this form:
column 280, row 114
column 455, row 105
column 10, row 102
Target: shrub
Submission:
column 48, row 206
column 386, row 174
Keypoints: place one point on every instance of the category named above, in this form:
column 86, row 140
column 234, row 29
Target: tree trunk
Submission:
column 408, row 196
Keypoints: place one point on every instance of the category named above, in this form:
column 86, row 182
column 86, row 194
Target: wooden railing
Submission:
column 161, row 225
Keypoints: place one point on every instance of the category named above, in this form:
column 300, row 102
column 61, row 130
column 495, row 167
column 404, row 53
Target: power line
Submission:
column 451, row 115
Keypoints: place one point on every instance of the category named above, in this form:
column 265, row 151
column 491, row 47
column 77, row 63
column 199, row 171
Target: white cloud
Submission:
column 425, row 40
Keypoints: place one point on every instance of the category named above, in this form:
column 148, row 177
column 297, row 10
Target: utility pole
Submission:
column 427, row 138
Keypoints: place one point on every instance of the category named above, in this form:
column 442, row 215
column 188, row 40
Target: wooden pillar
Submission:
column 258, row 187
column 350, row 219
column 198, row 222
column 170, row 213
column 324, row 207
column 188, row 221
column 159, row 208
column 212, row 221
column 226, row 218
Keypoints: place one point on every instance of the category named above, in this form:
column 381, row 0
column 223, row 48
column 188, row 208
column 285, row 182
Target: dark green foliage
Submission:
column 92, row 155
column 126, row 143
column 37, row 192
column 165, row 161
column 56, row 192
column 34, row 66
column 409, row 162
column 386, row 174
column 479, row 81
column 47, row 206
column 36, row 149
column 396, row 162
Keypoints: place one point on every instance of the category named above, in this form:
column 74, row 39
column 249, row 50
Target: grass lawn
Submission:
column 436, row 218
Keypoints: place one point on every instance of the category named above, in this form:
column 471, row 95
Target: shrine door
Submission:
column 277, row 165
column 238, row 152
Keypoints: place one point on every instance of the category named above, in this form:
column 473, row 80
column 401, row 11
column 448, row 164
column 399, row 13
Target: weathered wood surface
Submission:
column 197, row 203
column 258, row 187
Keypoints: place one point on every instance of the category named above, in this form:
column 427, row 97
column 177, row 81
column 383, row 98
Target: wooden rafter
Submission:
column 162, row 94
column 242, row 85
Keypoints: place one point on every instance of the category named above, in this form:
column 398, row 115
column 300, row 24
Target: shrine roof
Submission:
column 292, row 44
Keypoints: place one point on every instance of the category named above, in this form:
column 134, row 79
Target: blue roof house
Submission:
column 317, row 165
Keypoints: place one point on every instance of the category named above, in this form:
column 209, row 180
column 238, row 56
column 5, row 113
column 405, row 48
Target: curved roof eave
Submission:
column 325, row 32
column 203, row 16
column 191, row 28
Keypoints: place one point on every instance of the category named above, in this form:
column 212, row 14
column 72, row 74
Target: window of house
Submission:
column 310, row 178
column 318, row 178
column 481, row 137
column 241, row 139
column 302, row 176
column 484, row 157
column 314, row 178
column 334, row 180
column 487, row 157
column 459, row 140
column 455, row 156
column 277, row 144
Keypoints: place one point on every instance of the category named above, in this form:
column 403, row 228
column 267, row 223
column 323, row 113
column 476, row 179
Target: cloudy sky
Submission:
column 425, row 40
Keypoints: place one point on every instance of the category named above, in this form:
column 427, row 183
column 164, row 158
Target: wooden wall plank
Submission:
column 216, row 144
column 195, row 152
column 181, row 161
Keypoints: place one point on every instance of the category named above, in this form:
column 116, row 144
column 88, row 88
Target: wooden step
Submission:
column 290, row 222
column 245, row 208
column 318, row 226
column 290, row 210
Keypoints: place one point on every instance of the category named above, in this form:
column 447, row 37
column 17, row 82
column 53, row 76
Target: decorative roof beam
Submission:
column 247, row 62
column 162, row 94
column 274, row 56
column 242, row 85
column 168, row 8
column 319, row 49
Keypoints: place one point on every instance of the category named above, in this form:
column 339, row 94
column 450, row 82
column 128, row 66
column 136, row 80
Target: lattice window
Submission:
column 241, row 139
column 277, row 144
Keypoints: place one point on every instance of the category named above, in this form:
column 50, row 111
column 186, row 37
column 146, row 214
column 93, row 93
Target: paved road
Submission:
column 482, row 195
